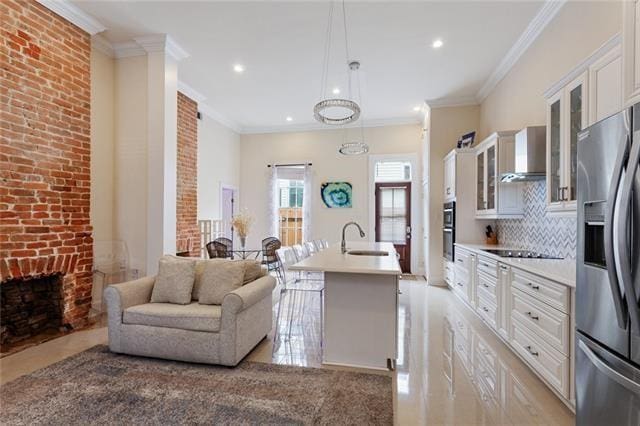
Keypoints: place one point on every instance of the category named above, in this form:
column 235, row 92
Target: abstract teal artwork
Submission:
column 336, row 195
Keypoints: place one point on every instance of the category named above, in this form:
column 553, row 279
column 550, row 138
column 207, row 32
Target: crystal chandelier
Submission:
column 355, row 148
column 348, row 110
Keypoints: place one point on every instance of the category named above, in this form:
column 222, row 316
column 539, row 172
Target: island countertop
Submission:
column 332, row 260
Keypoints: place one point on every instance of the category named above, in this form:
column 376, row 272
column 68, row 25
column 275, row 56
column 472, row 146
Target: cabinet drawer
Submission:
column 463, row 259
column 449, row 272
column 461, row 286
column 488, row 311
column 549, row 292
column 488, row 266
column 549, row 363
column 546, row 322
column 488, row 286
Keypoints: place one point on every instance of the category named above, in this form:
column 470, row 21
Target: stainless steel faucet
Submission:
column 344, row 228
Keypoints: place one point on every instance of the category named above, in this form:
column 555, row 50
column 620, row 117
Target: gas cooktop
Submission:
column 524, row 254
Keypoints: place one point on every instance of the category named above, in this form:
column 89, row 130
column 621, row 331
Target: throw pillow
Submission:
column 174, row 281
column 252, row 271
column 218, row 279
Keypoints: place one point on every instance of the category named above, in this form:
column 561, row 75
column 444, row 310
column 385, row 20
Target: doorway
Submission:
column 393, row 218
column 227, row 205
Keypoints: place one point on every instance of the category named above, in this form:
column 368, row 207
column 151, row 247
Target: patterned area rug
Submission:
column 99, row 387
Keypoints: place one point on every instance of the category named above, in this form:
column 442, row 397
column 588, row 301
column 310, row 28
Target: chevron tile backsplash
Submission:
column 536, row 231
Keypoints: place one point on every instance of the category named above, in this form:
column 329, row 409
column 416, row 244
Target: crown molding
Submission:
column 454, row 101
column 190, row 92
column 614, row 41
column 127, row 49
column 102, row 44
column 306, row 127
column 220, row 118
column 73, row 14
column 162, row 43
column 544, row 16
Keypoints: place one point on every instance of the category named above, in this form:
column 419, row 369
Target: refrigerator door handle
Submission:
column 623, row 232
column 618, row 298
column 608, row 371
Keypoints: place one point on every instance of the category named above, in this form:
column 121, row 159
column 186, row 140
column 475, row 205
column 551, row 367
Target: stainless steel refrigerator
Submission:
column 608, row 272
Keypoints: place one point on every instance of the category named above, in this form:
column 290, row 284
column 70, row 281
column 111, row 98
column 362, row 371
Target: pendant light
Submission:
column 350, row 108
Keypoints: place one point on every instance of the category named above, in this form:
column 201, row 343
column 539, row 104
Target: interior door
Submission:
column 393, row 219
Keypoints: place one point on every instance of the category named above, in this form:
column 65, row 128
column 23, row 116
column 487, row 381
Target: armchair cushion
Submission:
column 186, row 317
column 174, row 282
column 218, row 279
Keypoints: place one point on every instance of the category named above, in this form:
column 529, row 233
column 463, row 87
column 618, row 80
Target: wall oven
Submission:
column 449, row 231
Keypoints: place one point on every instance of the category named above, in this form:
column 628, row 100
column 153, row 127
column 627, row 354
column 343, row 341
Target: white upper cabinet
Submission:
column 566, row 116
column 495, row 156
column 631, row 52
column 605, row 84
column 590, row 92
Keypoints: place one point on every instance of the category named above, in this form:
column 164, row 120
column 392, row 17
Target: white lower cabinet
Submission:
column 530, row 313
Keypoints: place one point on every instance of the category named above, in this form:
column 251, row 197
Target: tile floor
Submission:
column 451, row 369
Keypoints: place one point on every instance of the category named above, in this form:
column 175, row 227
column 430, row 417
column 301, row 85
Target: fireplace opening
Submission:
column 31, row 312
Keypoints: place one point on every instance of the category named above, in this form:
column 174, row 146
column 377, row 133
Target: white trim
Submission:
column 452, row 102
column 399, row 121
column 544, row 16
column 127, row 49
column 416, row 193
column 162, row 43
column 584, row 65
column 75, row 15
column 220, row 118
column 190, row 92
column 101, row 44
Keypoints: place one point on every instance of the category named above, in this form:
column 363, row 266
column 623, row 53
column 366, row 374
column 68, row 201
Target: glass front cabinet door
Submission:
column 566, row 117
column 481, row 204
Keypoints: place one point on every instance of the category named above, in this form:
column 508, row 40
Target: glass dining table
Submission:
column 244, row 253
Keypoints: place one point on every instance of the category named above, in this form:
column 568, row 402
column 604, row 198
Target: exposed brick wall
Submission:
column 187, row 234
column 45, row 152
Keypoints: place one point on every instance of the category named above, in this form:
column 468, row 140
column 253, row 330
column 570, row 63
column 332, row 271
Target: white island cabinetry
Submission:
column 360, row 304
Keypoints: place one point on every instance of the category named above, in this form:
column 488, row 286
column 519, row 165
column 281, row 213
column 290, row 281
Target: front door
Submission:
column 393, row 219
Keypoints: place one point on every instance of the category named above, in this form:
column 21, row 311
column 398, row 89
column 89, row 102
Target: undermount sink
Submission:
column 368, row 253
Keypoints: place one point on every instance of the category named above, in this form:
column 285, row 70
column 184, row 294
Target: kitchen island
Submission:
column 360, row 304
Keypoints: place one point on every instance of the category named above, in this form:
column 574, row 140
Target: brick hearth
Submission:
column 45, row 153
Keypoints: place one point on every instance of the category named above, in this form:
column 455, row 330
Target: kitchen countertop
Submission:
column 332, row 260
column 562, row 271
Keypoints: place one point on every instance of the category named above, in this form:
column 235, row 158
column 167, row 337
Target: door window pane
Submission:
column 290, row 211
column 393, row 214
column 554, row 134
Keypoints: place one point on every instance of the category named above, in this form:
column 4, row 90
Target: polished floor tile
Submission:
column 451, row 369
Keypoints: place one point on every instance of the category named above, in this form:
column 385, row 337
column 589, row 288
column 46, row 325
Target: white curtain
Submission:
column 272, row 193
column 307, row 204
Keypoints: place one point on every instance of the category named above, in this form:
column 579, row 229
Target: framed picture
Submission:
column 467, row 140
column 336, row 195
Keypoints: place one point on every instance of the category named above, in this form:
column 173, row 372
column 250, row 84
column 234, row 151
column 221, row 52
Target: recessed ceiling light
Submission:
column 336, row 91
column 289, row 119
column 437, row 43
column 417, row 108
column 239, row 68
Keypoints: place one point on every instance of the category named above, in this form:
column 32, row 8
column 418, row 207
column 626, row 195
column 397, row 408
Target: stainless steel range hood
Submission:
column 531, row 156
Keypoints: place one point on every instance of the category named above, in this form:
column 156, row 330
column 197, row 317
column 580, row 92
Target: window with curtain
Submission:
column 393, row 171
column 290, row 193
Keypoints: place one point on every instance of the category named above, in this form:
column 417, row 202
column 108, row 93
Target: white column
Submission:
column 162, row 82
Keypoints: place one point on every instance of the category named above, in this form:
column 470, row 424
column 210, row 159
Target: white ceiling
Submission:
column 281, row 45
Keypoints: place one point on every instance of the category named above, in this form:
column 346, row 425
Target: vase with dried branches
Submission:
column 241, row 223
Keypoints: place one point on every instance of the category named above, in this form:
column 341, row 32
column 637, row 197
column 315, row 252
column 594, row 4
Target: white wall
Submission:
column 218, row 162
column 447, row 125
column 321, row 149
column 130, row 218
column 577, row 31
column 102, row 145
